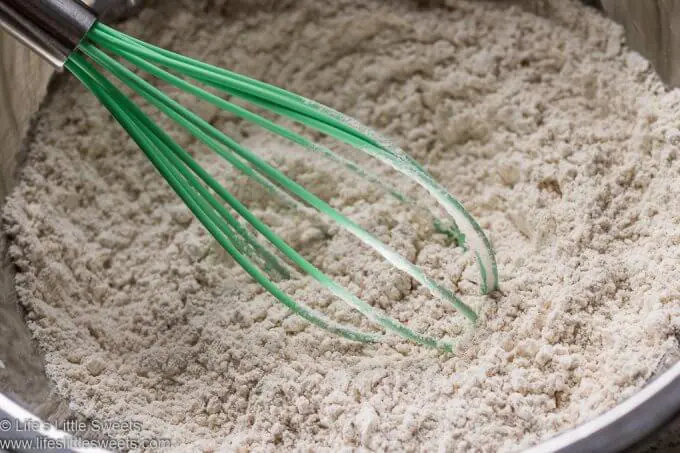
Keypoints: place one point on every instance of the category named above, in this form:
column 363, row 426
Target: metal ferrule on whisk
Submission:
column 52, row 28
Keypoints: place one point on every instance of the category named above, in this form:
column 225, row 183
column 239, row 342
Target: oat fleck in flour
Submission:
column 555, row 136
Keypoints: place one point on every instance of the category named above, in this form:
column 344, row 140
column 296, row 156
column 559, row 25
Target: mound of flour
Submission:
column 556, row 137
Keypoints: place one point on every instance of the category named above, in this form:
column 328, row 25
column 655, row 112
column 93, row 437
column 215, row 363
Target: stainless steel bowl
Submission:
column 648, row 421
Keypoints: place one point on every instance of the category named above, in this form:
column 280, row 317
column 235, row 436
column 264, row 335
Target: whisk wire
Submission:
column 194, row 184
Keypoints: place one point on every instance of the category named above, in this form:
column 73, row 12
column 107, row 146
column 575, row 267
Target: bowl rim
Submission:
column 626, row 424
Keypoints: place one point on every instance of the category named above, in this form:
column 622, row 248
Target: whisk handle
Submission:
column 52, row 28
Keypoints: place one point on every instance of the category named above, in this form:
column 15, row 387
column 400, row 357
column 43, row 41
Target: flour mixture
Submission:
column 557, row 138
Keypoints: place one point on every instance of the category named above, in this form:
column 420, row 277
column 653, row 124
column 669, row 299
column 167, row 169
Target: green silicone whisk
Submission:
column 67, row 33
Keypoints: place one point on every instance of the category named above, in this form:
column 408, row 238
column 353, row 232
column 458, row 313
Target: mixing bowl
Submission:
column 648, row 421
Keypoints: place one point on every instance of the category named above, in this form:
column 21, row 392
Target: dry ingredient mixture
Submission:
column 557, row 138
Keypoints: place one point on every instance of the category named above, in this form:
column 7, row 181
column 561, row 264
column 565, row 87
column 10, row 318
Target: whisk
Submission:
column 68, row 34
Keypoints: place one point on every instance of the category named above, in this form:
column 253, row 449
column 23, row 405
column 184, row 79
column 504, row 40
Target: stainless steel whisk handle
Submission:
column 52, row 28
